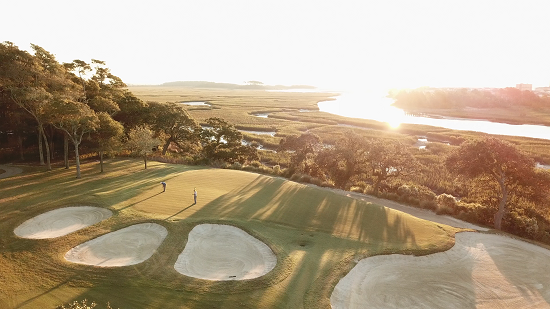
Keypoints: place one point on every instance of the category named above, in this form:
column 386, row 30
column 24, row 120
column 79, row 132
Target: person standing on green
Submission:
column 163, row 186
column 195, row 194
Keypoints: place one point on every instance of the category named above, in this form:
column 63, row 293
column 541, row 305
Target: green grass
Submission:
column 315, row 233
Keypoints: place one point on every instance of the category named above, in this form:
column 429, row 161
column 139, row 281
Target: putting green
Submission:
column 238, row 195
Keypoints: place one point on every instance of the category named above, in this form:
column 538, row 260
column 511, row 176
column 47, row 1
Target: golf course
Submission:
column 250, row 241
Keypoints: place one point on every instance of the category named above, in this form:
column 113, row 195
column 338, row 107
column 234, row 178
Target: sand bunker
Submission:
column 224, row 252
column 480, row 271
column 128, row 246
column 61, row 222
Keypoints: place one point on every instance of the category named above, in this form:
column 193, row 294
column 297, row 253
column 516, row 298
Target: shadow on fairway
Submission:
column 177, row 213
column 143, row 200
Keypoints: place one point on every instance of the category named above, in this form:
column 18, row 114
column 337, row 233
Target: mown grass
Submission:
column 315, row 233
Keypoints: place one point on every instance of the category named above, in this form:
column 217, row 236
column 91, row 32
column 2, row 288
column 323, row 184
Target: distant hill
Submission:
column 253, row 86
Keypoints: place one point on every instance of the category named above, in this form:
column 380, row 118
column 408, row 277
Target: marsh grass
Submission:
column 316, row 235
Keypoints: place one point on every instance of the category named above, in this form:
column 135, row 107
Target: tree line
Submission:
column 45, row 105
column 43, row 101
column 464, row 97
column 485, row 181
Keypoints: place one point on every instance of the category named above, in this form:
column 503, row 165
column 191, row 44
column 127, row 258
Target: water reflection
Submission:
column 261, row 115
column 379, row 108
column 272, row 133
column 195, row 103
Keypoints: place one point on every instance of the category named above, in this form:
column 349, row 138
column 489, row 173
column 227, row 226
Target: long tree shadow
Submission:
column 523, row 264
column 143, row 200
column 177, row 213
column 30, row 300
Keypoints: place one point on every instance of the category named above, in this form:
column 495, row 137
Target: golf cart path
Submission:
column 417, row 212
column 9, row 171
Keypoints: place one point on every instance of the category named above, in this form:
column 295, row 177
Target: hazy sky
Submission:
column 332, row 44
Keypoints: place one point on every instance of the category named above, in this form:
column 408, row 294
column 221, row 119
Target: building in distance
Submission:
column 524, row 87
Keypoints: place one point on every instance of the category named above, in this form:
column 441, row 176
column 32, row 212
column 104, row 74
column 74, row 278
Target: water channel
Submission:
column 380, row 109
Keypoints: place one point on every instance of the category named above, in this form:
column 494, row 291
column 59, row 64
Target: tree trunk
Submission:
column 165, row 147
column 20, row 144
column 499, row 215
column 145, row 160
column 40, row 151
column 376, row 186
column 101, row 161
column 52, row 148
column 77, row 157
column 66, row 150
column 45, row 138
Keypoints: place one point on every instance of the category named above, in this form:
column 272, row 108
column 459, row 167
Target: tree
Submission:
column 344, row 160
column 303, row 149
column 220, row 140
column 142, row 142
column 498, row 161
column 102, row 89
column 133, row 111
column 107, row 135
column 386, row 160
column 31, row 81
column 173, row 124
column 75, row 119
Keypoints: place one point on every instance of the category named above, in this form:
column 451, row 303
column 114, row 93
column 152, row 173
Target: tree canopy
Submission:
column 498, row 161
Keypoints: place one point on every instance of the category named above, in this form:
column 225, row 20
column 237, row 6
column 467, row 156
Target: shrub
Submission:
column 446, row 204
column 236, row 166
column 255, row 163
column 430, row 205
column 327, row 184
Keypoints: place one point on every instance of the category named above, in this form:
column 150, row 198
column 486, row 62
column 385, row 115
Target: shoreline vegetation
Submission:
column 286, row 117
column 504, row 105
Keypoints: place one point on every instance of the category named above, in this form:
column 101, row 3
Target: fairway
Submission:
column 315, row 234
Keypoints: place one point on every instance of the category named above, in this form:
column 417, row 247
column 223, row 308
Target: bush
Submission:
column 327, row 184
column 430, row 205
column 522, row 225
column 446, row 204
column 255, row 163
column 236, row 166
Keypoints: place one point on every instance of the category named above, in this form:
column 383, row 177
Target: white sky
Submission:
column 330, row 44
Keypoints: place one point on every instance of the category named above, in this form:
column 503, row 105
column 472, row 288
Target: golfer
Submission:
column 163, row 186
column 195, row 194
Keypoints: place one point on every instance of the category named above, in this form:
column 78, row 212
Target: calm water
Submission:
column 196, row 103
column 379, row 108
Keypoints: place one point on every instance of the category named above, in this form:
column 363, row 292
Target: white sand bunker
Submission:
column 480, row 271
column 127, row 246
column 62, row 221
column 224, row 252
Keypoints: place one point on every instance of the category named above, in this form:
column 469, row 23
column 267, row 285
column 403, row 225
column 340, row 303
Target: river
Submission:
column 379, row 108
